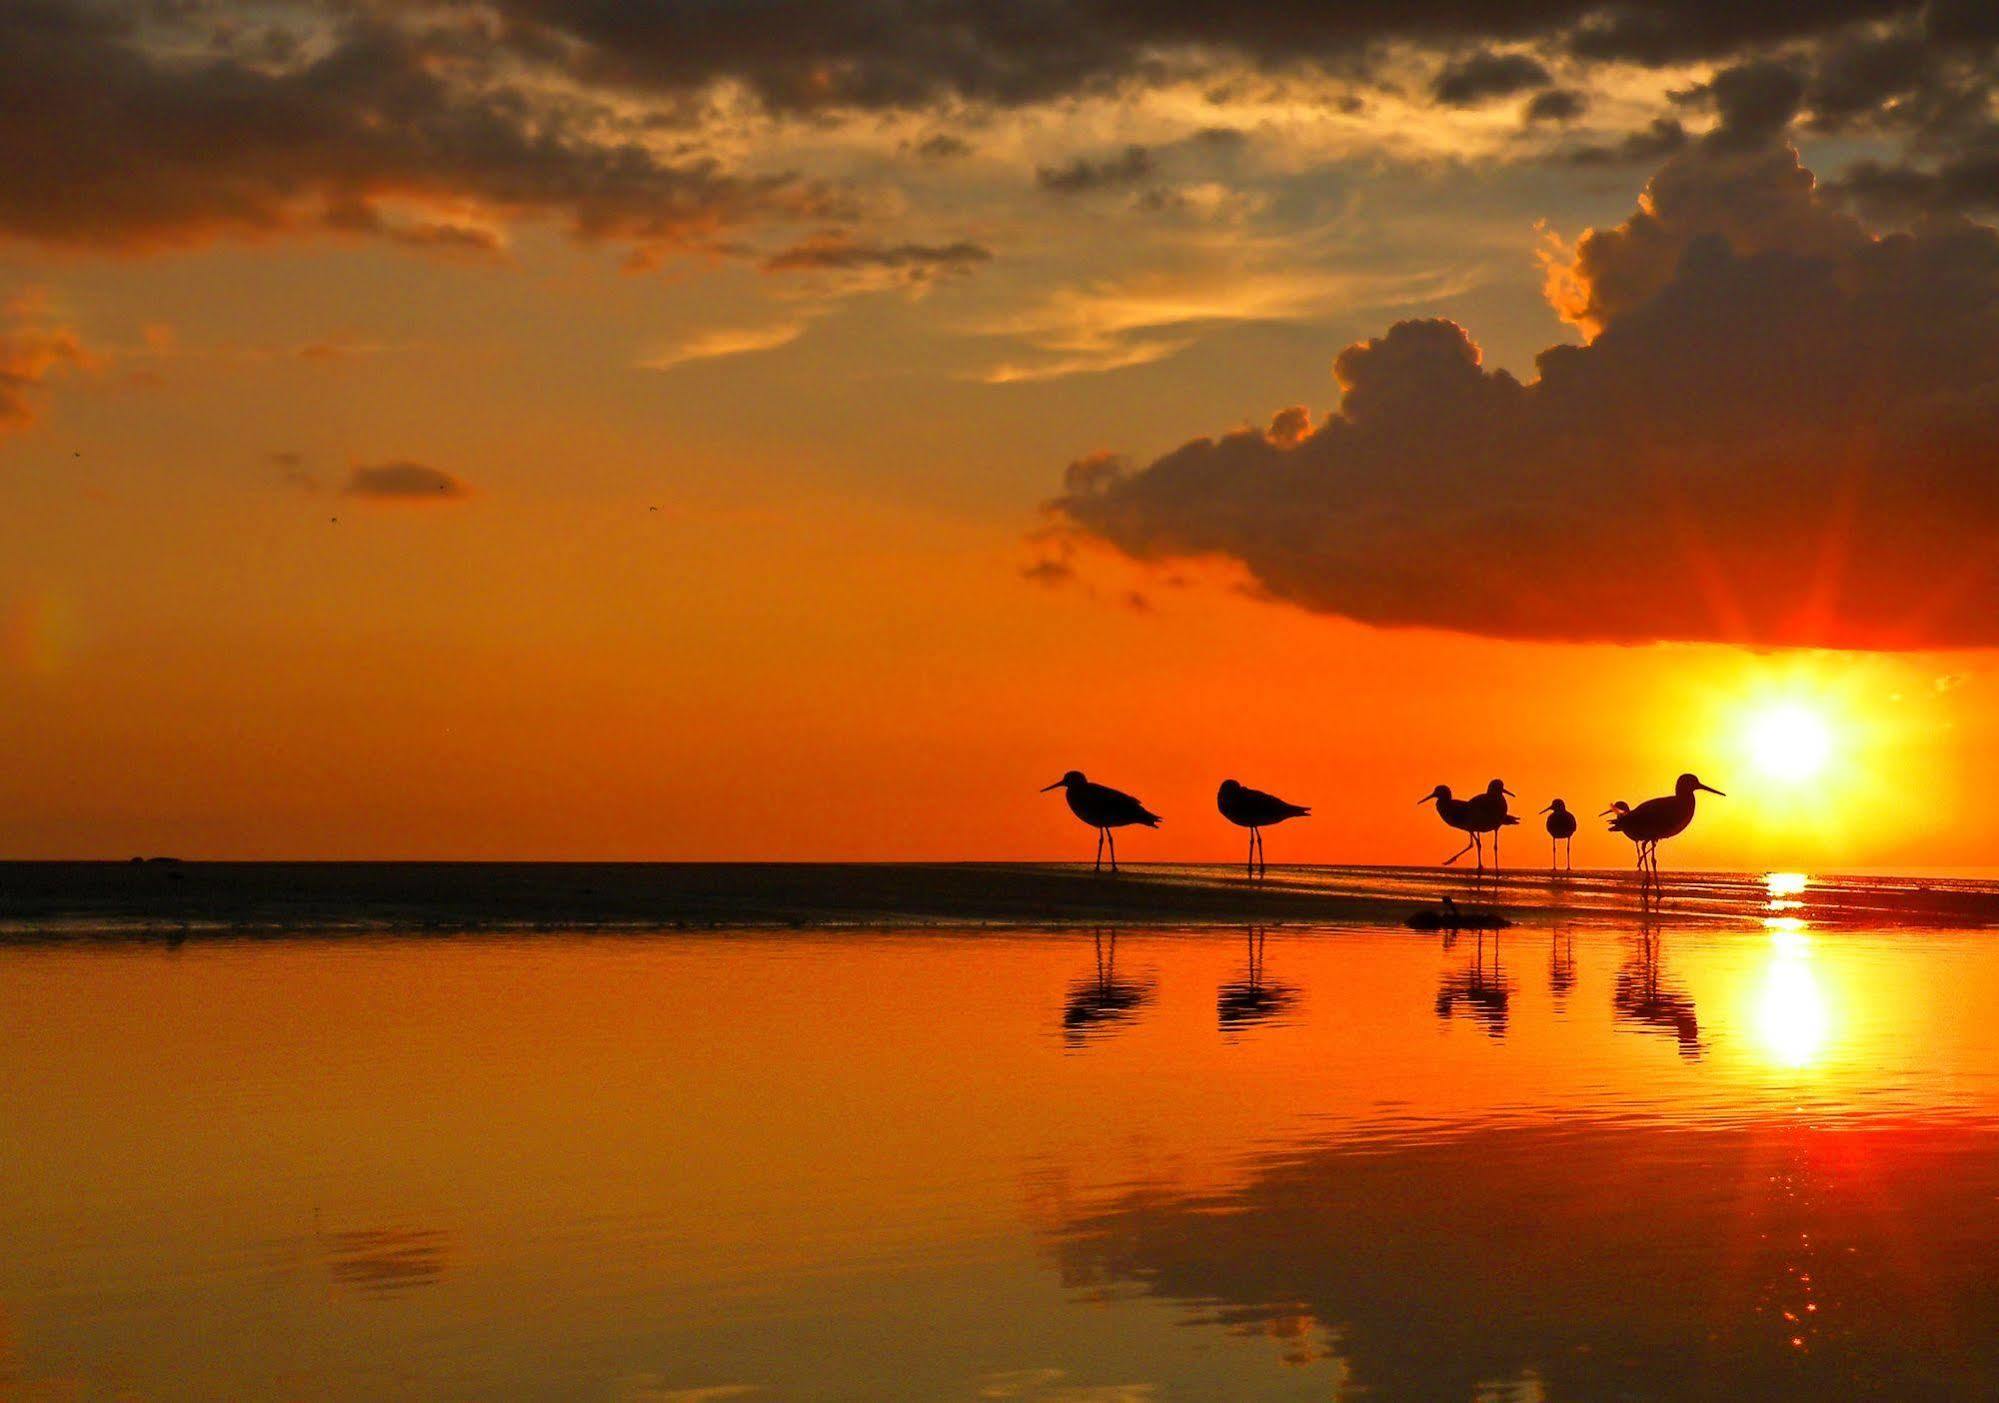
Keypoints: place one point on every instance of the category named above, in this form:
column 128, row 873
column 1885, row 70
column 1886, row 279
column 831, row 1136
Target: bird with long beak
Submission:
column 1455, row 812
column 1561, row 829
column 1656, row 820
column 1103, row 808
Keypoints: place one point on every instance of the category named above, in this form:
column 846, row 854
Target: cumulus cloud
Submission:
column 1784, row 431
column 405, row 481
column 33, row 349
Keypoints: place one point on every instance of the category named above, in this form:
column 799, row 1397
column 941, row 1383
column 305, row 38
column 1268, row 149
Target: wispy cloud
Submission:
column 723, row 341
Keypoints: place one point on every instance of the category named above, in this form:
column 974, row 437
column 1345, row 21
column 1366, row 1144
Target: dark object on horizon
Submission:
column 1255, row 810
column 1101, row 1002
column 1103, row 808
column 1656, row 820
column 1448, row 916
column 1561, row 829
column 1253, row 999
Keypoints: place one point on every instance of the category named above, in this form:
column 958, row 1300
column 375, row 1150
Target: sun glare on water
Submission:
column 1789, row 742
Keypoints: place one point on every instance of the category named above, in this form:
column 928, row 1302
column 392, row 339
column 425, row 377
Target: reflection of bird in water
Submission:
column 1480, row 989
column 1644, row 998
column 1101, row 1002
column 1256, row 811
column 1103, row 808
column 1561, row 962
column 1656, row 820
column 1253, row 999
column 1561, row 829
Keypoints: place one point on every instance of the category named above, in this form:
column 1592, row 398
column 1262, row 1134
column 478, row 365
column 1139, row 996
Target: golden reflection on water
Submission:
column 1793, row 1018
column 919, row 1165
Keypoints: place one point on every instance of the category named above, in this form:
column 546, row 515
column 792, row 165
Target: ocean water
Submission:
column 1748, row 1156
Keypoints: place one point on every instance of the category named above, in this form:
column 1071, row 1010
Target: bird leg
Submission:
column 1100, row 852
column 1249, row 865
column 1458, row 854
column 1112, row 839
column 1262, row 854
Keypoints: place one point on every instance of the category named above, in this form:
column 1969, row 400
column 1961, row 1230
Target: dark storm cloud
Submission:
column 1555, row 105
column 1482, row 77
column 1081, row 175
column 405, row 481
column 1786, row 431
column 1664, row 136
column 814, row 55
column 109, row 137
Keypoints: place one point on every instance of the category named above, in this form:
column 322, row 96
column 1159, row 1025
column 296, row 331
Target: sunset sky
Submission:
column 804, row 428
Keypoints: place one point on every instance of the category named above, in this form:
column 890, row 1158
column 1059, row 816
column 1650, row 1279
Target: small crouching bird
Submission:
column 1256, row 811
column 1103, row 808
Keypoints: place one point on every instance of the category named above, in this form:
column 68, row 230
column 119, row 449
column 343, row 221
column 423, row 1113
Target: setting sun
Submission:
column 1789, row 742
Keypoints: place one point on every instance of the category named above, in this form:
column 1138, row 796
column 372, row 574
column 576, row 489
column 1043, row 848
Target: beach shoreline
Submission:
column 48, row 899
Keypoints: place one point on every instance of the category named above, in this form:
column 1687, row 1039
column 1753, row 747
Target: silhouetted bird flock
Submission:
column 1484, row 814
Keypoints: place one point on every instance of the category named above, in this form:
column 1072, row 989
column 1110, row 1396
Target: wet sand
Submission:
column 39, row 900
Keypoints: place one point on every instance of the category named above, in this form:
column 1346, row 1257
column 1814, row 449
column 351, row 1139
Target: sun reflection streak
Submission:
column 1792, row 1015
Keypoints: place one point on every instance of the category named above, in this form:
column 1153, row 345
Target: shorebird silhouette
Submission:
column 1457, row 813
column 1255, row 810
column 1103, row 808
column 1489, row 815
column 1656, row 820
column 1561, row 829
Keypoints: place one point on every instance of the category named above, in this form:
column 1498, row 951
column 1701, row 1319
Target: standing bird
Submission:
column 1458, row 814
column 1561, row 829
column 1255, row 810
column 1617, row 811
column 1489, row 815
column 1656, row 820
column 1103, row 808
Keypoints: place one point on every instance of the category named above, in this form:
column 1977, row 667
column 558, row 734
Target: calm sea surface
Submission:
column 1747, row 1159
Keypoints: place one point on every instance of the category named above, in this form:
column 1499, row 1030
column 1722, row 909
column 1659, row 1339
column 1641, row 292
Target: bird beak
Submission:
column 1549, row 809
column 1507, row 792
column 1424, row 800
column 1710, row 789
column 1608, row 812
column 1046, row 787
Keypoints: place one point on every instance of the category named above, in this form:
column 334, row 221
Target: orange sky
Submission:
column 718, row 531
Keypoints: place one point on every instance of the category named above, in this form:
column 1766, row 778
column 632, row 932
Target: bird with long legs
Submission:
column 1654, row 821
column 1617, row 811
column 1561, row 830
column 1103, row 808
column 1457, row 814
column 1256, row 811
column 1488, row 814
